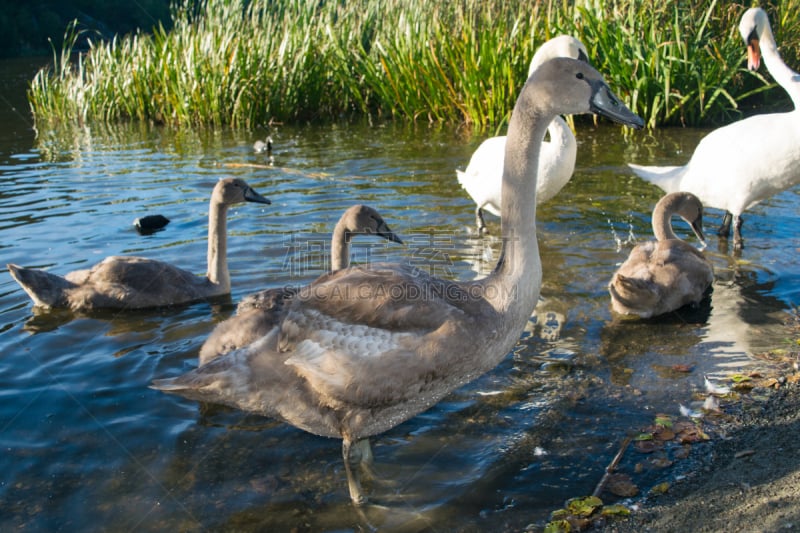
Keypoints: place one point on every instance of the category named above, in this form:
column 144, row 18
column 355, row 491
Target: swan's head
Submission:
column 752, row 26
column 561, row 46
column 229, row 191
column 687, row 206
column 363, row 219
column 569, row 86
column 690, row 208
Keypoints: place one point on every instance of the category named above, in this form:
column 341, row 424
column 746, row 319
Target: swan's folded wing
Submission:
column 391, row 297
column 372, row 338
column 129, row 279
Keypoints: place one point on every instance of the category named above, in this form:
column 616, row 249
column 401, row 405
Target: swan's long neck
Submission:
column 340, row 248
column 513, row 287
column 662, row 223
column 786, row 77
column 218, row 273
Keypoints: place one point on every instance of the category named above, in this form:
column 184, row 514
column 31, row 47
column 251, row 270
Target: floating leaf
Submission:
column 659, row 461
column 621, row 485
column 615, row 510
column 661, row 488
column 558, row 526
column 584, row 506
column 682, row 452
column 648, row 446
column 664, row 434
column 673, row 371
column 692, row 434
column 739, row 378
column 664, row 421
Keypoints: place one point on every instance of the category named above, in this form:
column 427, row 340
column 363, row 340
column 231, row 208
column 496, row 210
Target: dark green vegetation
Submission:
column 27, row 27
column 241, row 64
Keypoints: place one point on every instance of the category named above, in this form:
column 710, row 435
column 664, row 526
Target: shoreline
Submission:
column 748, row 480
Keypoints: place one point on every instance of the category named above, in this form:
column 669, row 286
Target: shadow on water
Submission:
column 87, row 445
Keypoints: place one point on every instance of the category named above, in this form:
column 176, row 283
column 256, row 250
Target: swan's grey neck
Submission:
column 662, row 221
column 340, row 248
column 218, row 273
column 516, row 277
column 786, row 77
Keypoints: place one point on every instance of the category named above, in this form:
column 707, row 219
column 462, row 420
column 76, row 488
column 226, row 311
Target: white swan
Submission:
column 127, row 282
column 258, row 313
column 360, row 350
column 483, row 175
column 669, row 273
column 737, row 166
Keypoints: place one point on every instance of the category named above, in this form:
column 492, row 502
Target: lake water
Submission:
column 86, row 445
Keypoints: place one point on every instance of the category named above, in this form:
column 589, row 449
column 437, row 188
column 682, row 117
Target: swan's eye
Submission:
column 579, row 75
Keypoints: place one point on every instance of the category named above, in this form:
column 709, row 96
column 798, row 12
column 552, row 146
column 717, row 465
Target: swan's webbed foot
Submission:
column 357, row 455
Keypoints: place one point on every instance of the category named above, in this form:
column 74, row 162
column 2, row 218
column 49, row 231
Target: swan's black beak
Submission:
column 389, row 235
column 252, row 196
column 697, row 228
column 606, row 104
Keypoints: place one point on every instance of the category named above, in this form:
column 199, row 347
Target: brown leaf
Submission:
column 659, row 461
column 664, row 434
column 682, row 452
column 648, row 446
column 693, row 434
column 621, row 485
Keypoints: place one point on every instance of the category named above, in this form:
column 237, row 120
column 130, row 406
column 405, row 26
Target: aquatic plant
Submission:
column 241, row 63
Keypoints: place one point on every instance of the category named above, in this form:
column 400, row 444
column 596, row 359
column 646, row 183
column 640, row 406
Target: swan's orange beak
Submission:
column 753, row 54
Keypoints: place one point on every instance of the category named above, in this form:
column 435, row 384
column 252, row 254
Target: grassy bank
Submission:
column 240, row 64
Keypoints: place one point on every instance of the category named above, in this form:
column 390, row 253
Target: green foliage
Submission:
column 241, row 63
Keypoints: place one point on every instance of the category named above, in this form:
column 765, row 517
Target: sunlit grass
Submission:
column 240, row 64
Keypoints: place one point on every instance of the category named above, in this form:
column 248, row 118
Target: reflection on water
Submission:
column 87, row 445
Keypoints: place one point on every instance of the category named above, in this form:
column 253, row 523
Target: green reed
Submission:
column 242, row 63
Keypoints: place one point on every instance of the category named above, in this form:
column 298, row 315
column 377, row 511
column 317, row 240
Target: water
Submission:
column 86, row 445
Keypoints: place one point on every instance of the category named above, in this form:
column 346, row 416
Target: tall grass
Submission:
column 241, row 63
